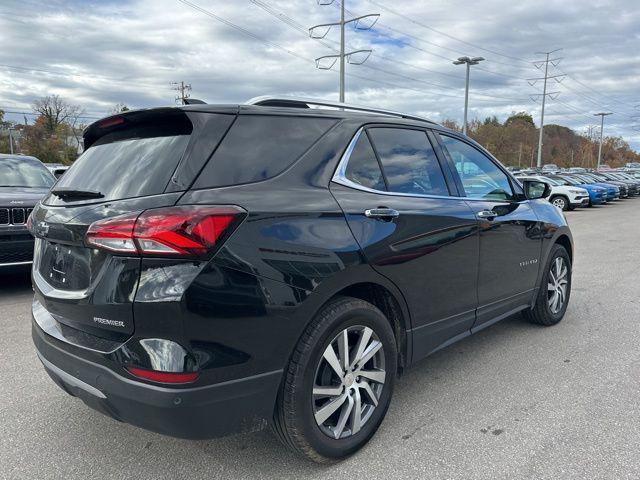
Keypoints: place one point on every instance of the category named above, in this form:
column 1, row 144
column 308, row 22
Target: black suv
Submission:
column 209, row 269
column 23, row 182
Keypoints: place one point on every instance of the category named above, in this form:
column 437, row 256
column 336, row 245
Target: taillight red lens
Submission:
column 114, row 234
column 163, row 377
column 174, row 231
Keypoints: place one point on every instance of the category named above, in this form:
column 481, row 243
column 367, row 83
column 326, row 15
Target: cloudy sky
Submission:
column 99, row 53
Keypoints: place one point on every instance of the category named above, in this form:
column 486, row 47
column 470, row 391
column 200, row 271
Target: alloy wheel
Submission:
column 559, row 202
column 557, row 285
column 348, row 382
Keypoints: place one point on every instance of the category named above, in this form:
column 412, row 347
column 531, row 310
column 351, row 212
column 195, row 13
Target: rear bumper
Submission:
column 202, row 412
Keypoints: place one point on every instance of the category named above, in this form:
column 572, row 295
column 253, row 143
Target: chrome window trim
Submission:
column 340, row 177
column 15, row 264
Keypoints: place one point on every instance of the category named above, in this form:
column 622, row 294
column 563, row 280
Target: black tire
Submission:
column 560, row 201
column 294, row 421
column 541, row 313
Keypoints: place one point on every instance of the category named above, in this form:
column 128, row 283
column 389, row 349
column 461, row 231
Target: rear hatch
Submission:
column 132, row 163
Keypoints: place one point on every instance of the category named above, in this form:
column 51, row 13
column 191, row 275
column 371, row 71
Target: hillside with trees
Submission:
column 56, row 137
column 515, row 142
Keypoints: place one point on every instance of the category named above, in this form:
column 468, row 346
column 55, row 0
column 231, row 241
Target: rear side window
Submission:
column 259, row 147
column 363, row 167
column 131, row 162
column 409, row 161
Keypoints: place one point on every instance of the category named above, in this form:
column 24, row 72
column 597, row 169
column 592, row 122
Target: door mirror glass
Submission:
column 534, row 189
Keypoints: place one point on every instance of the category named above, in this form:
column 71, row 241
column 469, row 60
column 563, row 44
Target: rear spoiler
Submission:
column 125, row 119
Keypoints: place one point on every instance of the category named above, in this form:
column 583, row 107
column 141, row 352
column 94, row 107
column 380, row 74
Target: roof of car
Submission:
column 14, row 156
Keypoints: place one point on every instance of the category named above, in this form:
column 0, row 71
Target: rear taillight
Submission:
column 192, row 231
column 163, row 377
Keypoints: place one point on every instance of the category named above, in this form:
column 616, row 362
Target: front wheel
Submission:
column 339, row 382
column 553, row 297
column 561, row 202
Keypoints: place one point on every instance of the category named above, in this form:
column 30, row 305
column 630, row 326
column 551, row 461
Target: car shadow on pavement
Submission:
column 15, row 282
column 426, row 392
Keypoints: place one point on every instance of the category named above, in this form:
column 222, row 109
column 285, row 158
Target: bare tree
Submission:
column 118, row 108
column 55, row 112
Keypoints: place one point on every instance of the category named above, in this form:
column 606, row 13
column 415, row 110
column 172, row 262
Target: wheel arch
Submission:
column 390, row 306
column 366, row 284
column 565, row 241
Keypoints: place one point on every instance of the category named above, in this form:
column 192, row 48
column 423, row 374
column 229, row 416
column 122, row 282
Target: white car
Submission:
column 565, row 197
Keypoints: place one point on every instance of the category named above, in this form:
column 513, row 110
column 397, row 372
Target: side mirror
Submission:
column 534, row 189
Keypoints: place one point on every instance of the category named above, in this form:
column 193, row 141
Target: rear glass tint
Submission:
column 259, row 147
column 133, row 161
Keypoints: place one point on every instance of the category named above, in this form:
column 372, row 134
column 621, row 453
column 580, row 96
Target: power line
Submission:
column 415, row 22
column 342, row 56
column 544, row 94
column 32, row 114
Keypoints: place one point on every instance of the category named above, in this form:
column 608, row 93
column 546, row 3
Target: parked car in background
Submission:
column 623, row 190
column 24, row 181
column 576, row 170
column 613, row 191
column 550, row 167
column 206, row 269
column 597, row 195
column 562, row 196
column 57, row 169
column 632, row 184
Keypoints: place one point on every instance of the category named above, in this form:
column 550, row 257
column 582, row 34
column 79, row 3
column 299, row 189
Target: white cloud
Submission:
column 98, row 53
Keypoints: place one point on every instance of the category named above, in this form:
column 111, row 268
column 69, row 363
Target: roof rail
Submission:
column 269, row 101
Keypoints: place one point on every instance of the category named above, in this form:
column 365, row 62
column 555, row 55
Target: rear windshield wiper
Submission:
column 65, row 193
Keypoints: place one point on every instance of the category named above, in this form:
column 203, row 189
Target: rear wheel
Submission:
column 339, row 382
column 555, row 290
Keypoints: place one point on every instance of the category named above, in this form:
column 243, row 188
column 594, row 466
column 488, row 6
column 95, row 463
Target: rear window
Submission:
column 259, row 147
column 132, row 162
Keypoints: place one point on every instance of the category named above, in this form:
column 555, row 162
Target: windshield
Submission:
column 24, row 172
column 574, row 180
column 550, row 181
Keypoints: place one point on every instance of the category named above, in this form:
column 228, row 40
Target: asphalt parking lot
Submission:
column 514, row 401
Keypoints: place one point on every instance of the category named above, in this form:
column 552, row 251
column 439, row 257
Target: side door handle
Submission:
column 382, row 212
column 487, row 214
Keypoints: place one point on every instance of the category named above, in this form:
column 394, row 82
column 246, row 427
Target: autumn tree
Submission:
column 55, row 112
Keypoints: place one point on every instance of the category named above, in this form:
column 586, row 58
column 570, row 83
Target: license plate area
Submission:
column 65, row 267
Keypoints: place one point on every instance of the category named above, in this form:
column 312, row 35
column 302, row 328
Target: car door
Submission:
column 398, row 203
column 510, row 238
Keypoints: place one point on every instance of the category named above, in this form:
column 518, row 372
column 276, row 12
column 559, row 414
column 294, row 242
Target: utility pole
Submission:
column 182, row 89
column 468, row 61
column 532, row 81
column 519, row 154
column 10, row 141
column 601, row 115
column 342, row 56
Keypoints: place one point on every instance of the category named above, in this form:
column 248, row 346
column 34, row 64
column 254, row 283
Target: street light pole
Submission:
column 10, row 141
column 342, row 52
column 468, row 62
column 601, row 115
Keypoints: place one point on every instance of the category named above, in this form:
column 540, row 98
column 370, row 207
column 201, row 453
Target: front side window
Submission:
column 409, row 162
column 481, row 178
